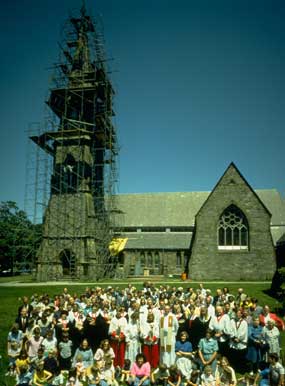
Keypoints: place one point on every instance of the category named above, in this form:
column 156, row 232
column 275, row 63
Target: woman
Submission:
column 225, row 374
column 140, row 372
column 104, row 351
column 85, row 352
column 207, row 350
column 256, row 343
column 199, row 327
column 183, row 350
column 272, row 337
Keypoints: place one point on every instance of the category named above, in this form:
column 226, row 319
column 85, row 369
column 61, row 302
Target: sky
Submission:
column 199, row 84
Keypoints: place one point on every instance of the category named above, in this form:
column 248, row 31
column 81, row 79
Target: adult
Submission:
column 199, row 327
column 221, row 326
column 267, row 315
column 140, row 372
column 22, row 319
column 256, row 343
column 238, row 342
column 83, row 351
column 104, row 351
column 183, row 350
column 208, row 350
column 26, row 305
column 168, row 329
column 272, row 337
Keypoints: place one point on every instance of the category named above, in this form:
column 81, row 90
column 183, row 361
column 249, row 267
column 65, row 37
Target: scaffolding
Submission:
column 72, row 165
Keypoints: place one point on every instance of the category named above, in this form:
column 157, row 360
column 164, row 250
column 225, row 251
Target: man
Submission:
column 168, row 327
column 23, row 319
column 220, row 324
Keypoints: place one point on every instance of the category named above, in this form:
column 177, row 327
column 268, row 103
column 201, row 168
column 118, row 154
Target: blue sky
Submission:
column 199, row 84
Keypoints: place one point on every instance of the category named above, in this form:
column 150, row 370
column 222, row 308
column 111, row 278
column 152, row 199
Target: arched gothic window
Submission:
column 233, row 231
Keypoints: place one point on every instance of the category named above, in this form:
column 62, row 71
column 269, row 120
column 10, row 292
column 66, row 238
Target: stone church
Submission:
column 230, row 233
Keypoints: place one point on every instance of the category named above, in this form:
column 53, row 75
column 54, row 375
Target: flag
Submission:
column 117, row 245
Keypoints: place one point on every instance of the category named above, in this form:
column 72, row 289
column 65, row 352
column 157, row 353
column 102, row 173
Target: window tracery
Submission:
column 233, row 231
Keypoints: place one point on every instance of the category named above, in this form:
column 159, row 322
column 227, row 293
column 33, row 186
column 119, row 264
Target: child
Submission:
column 93, row 376
column 49, row 343
column 13, row 353
column 276, row 371
column 41, row 376
column 39, row 358
column 174, row 378
column 14, row 347
column 80, row 370
column 194, row 378
column 65, row 352
column 125, row 371
column 160, row 375
column 50, row 362
column 207, row 378
column 22, row 360
column 58, row 379
column 24, row 376
column 108, row 373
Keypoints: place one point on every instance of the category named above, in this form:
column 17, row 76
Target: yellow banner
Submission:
column 117, row 245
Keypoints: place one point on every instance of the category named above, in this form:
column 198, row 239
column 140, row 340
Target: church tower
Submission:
column 83, row 146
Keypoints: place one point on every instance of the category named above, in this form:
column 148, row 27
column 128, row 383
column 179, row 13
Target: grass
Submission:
column 10, row 299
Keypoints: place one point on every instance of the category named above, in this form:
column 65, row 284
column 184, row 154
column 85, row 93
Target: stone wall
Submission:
column 207, row 262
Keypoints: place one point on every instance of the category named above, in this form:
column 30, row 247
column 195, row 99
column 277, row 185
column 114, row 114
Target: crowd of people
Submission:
column 157, row 335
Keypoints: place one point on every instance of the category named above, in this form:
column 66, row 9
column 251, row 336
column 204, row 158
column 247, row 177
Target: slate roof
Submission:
column 178, row 210
column 158, row 240
column 160, row 209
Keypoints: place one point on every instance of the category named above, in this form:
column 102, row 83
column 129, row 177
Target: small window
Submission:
column 156, row 260
column 149, row 259
column 178, row 260
column 142, row 256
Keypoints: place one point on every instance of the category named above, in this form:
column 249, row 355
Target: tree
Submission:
column 19, row 237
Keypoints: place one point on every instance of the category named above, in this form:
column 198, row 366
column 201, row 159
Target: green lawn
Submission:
column 10, row 300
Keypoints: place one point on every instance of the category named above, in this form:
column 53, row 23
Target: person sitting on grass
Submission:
column 174, row 378
column 276, row 371
column 207, row 377
column 140, row 372
column 41, row 376
column 160, row 375
column 24, row 376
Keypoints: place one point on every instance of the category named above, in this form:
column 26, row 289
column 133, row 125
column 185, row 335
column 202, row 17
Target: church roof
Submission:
column 158, row 240
column 160, row 209
column 178, row 209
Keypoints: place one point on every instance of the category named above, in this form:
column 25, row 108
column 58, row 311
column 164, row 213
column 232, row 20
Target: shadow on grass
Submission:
column 277, row 292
